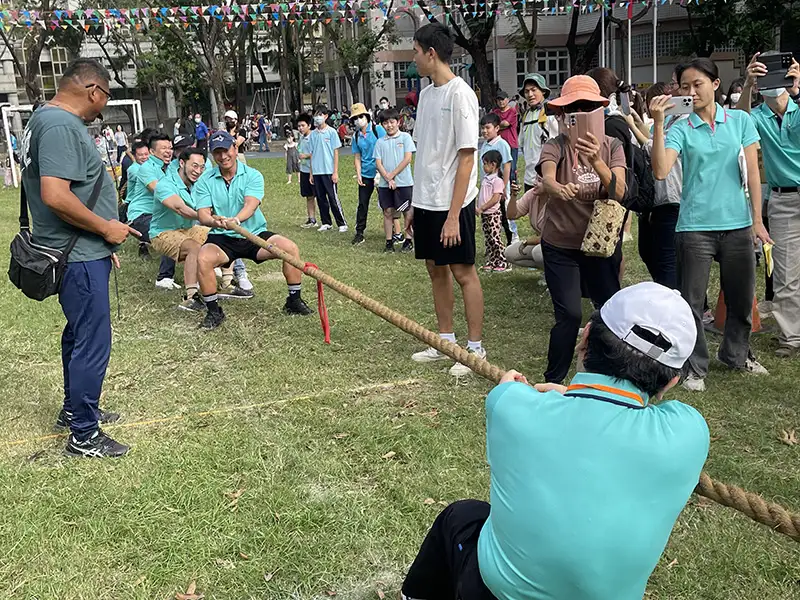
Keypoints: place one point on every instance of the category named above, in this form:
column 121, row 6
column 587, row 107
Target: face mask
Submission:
column 197, row 119
column 735, row 97
column 384, row 105
column 777, row 93
column 361, row 122
column 319, row 120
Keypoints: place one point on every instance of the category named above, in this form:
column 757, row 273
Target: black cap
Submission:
column 182, row 141
column 501, row 94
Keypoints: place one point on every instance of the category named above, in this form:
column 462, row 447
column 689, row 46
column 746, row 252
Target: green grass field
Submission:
column 266, row 464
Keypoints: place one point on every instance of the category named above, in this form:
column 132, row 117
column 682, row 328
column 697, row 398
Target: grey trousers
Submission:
column 784, row 228
column 737, row 263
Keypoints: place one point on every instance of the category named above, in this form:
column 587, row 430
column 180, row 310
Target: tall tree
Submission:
column 476, row 20
column 523, row 36
column 356, row 44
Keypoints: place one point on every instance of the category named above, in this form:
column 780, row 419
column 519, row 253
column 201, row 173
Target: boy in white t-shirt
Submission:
column 445, row 178
column 393, row 154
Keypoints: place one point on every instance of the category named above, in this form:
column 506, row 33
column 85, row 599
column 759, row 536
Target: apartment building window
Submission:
column 51, row 71
column 554, row 65
column 400, row 80
column 522, row 68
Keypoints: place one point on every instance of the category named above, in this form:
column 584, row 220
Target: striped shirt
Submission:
column 391, row 151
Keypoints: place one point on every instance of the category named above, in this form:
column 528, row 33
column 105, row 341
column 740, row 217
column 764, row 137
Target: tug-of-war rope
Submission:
column 773, row 515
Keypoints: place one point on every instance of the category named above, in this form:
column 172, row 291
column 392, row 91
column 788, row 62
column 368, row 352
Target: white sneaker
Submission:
column 459, row 370
column 245, row 283
column 765, row 308
column 751, row 365
column 167, row 284
column 218, row 272
column 514, row 238
column 694, row 383
column 429, row 355
column 343, row 229
column 627, row 237
column 325, row 228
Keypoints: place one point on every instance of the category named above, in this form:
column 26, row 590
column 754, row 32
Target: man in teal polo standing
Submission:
column 587, row 480
column 778, row 123
column 232, row 193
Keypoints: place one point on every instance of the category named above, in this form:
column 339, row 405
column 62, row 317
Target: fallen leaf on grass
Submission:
column 442, row 503
column 672, row 563
column 190, row 594
column 139, row 581
column 381, row 595
column 234, row 498
column 243, row 556
column 789, row 437
column 331, row 593
column 389, row 455
column 340, row 436
column 429, row 501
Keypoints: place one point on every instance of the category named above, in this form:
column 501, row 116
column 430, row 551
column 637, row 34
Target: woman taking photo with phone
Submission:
column 718, row 152
column 575, row 174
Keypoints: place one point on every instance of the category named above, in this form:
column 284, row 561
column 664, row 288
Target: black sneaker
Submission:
column 213, row 319
column 408, row 246
column 97, row 446
column 193, row 304
column 144, row 253
column 296, row 306
column 309, row 224
column 234, row 292
column 358, row 239
column 105, row 416
column 389, row 246
column 397, row 238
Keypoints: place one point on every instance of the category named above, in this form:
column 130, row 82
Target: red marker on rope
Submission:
column 323, row 310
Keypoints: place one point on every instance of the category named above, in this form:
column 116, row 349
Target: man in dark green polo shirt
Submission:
column 232, row 193
column 60, row 167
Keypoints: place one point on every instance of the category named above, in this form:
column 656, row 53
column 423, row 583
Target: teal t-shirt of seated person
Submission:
column 713, row 196
column 227, row 199
column 164, row 218
column 57, row 144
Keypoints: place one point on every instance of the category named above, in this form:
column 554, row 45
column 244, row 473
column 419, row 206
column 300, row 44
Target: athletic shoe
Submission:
column 343, row 228
column 244, row 283
column 398, row 238
column 309, row 224
column 167, row 284
column 501, row 269
column 193, row 304
column 785, row 351
column 459, row 370
column 693, row 383
column 389, row 246
column 430, row 354
column 765, row 308
column 751, row 365
column 325, row 227
column 99, row 445
column 235, row 292
column 358, row 239
column 213, row 320
column 708, row 317
column 514, row 238
column 296, row 306
column 105, row 417
column 218, row 272
column 407, row 246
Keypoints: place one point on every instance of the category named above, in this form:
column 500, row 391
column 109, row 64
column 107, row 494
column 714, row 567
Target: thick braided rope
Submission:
column 754, row 506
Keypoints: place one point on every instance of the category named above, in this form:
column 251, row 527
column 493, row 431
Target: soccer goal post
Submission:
column 138, row 125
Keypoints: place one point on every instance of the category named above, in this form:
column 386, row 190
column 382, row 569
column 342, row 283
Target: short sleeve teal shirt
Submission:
column 227, row 199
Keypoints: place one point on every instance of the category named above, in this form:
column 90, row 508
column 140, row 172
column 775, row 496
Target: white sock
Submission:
column 473, row 345
column 450, row 337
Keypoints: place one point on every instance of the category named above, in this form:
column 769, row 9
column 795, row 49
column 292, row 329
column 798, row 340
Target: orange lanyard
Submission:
column 608, row 389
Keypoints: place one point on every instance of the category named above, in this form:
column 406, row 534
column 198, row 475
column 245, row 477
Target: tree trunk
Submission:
column 217, row 101
column 299, row 55
column 483, row 76
column 352, row 82
column 531, row 59
column 283, row 68
column 589, row 51
column 159, row 104
column 241, row 79
column 572, row 46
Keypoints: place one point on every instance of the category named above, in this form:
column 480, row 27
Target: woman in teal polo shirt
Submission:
column 718, row 151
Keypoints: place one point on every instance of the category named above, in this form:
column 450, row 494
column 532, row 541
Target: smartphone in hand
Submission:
column 684, row 105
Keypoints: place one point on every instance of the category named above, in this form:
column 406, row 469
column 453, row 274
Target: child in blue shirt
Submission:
column 324, row 176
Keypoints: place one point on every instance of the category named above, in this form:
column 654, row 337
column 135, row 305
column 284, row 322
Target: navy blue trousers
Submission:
column 328, row 200
column 86, row 341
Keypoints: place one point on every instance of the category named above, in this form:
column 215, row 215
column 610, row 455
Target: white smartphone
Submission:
column 684, row 105
column 625, row 100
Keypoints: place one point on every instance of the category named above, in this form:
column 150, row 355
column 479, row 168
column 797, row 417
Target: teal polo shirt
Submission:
column 585, row 488
column 166, row 219
column 713, row 197
column 227, row 200
column 138, row 197
column 364, row 145
column 780, row 144
column 151, row 170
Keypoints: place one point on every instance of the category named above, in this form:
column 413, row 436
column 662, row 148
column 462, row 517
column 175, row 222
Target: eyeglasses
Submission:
column 106, row 92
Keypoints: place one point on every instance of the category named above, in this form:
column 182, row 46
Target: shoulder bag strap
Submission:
column 24, row 222
column 98, row 185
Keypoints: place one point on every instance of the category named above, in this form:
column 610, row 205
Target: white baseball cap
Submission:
column 231, row 114
column 639, row 314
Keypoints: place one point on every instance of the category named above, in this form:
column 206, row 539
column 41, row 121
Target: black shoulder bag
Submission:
column 35, row 269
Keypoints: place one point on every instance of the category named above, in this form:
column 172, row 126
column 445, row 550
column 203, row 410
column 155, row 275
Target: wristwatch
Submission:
column 795, row 97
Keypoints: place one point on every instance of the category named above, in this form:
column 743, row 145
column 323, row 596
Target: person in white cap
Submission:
column 238, row 133
column 588, row 480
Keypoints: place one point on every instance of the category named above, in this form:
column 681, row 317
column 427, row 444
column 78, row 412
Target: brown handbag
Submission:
column 605, row 225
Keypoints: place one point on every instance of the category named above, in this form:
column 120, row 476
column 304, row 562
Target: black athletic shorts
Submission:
column 428, row 245
column 236, row 247
column 306, row 189
column 447, row 563
column 398, row 198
